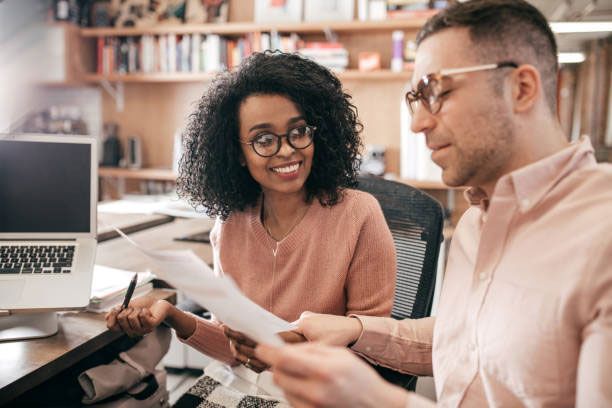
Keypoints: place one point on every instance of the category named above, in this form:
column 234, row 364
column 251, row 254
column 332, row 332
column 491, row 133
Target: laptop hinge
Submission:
column 4, row 312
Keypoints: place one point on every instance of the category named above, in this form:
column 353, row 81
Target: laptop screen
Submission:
column 44, row 187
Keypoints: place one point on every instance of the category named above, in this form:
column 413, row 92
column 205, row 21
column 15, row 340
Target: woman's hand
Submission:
column 243, row 347
column 142, row 315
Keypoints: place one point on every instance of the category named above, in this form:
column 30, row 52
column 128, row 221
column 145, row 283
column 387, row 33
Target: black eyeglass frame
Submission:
column 433, row 102
column 279, row 140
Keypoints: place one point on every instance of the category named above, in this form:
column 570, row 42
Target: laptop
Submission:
column 48, row 201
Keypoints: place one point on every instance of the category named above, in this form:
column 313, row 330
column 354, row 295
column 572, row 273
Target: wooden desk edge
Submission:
column 105, row 236
column 44, row 372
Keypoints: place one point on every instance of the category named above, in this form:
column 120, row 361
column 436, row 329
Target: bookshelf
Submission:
column 157, row 104
column 351, row 74
column 377, row 94
column 238, row 28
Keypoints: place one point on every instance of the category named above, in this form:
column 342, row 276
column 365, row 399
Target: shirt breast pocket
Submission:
column 518, row 336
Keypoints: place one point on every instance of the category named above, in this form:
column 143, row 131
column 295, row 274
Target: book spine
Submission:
column 195, row 52
column 172, row 53
column 100, row 56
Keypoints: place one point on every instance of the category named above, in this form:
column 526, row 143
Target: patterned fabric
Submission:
column 208, row 393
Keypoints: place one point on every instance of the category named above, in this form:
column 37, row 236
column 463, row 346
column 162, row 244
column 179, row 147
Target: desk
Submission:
column 26, row 364
column 127, row 223
column 117, row 253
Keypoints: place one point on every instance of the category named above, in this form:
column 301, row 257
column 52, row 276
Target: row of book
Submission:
column 398, row 9
column 198, row 53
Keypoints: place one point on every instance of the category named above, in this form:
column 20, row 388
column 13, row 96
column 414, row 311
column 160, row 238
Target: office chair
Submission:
column 415, row 220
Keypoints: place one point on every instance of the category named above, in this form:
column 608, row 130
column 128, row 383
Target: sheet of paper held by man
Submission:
column 219, row 294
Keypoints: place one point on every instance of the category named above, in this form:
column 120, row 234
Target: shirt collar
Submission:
column 531, row 183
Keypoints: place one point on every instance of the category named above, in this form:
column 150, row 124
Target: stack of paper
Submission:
column 218, row 294
column 109, row 286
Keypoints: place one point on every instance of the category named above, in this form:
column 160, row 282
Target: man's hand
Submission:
column 316, row 375
column 142, row 315
column 329, row 329
column 243, row 347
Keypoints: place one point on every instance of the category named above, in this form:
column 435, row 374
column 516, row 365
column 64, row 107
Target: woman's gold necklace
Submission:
column 295, row 223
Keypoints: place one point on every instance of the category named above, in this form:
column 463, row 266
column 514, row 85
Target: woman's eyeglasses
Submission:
column 432, row 87
column 267, row 144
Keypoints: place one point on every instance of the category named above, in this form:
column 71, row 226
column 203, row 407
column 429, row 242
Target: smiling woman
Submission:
column 213, row 173
column 272, row 150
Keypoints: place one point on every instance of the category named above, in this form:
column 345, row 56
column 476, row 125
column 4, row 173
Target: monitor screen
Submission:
column 44, row 187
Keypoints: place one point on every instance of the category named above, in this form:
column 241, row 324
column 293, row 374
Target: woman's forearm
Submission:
column 183, row 323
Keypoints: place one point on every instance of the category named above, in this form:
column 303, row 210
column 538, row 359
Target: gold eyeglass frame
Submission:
column 433, row 102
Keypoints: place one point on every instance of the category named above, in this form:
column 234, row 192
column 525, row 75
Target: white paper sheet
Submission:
column 107, row 282
column 218, row 294
column 164, row 204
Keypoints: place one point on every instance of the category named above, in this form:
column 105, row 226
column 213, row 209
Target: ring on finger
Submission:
column 247, row 364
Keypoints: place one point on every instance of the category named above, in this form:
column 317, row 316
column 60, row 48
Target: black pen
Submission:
column 130, row 292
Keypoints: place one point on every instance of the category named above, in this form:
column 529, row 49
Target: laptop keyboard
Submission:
column 36, row 259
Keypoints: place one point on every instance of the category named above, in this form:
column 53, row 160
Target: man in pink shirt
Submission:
column 525, row 314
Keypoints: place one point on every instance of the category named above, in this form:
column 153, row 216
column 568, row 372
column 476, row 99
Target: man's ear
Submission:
column 526, row 87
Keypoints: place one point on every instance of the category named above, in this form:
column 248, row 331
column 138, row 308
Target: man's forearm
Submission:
column 402, row 345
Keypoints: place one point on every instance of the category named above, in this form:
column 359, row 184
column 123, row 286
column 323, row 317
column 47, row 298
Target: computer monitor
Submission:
column 48, row 201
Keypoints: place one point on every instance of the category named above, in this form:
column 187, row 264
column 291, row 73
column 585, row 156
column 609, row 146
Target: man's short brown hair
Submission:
column 504, row 30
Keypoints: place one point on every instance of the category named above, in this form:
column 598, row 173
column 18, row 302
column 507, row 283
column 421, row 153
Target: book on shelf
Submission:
column 110, row 285
column 186, row 53
column 332, row 55
column 413, row 9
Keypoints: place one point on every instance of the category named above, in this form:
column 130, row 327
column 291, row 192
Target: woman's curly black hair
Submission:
column 211, row 175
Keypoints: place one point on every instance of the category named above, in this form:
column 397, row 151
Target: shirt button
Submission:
column 482, row 276
column 525, row 203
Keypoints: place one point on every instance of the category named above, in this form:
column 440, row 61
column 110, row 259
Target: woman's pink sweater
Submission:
column 337, row 260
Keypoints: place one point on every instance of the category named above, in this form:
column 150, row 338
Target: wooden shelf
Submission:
column 152, row 77
column 204, row 77
column 138, row 174
column 244, row 28
column 383, row 74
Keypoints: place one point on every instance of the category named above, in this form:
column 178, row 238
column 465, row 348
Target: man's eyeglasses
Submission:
column 432, row 87
column 267, row 144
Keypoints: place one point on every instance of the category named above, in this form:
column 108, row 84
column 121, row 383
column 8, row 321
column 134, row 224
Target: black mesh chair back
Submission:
column 416, row 221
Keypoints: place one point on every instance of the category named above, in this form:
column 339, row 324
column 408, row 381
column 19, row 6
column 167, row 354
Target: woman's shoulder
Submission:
column 357, row 203
column 237, row 220
column 360, row 199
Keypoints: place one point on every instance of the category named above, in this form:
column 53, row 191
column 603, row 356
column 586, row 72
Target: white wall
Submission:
column 21, row 35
